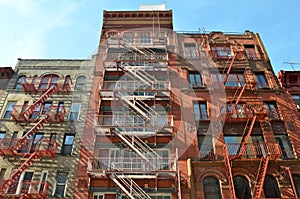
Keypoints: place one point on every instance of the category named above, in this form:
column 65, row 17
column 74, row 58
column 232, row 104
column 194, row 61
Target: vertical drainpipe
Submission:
column 191, row 184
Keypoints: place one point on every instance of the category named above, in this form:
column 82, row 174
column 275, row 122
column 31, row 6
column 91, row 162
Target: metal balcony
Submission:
column 129, row 165
column 254, row 150
column 244, row 111
column 36, row 85
column 27, row 189
column 54, row 113
column 134, row 125
column 11, row 146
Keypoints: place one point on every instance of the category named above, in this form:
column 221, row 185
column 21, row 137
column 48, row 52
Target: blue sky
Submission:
column 71, row 28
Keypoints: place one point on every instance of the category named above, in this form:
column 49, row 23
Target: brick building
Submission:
column 43, row 112
column 158, row 114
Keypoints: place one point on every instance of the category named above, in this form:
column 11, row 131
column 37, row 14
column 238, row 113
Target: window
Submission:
column 2, row 173
column 241, row 187
column 221, row 52
column 9, row 107
column 261, row 81
column 195, row 80
column 296, row 179
column 285, row 146
column 145, row 38
column 61, row 182
column 129, row 37
column 80, row 83
column 270, row 187
column 296, row 99
column 98, row 196
column 19, row 81
column 160, row 197
column 48, row 81
column 205, row 145
column 2, row 134
column 67, row 145
column 234, row 80
column 212, row 188
column 74, row 113
column 250, row 52
column 190, row 51
column 272, row 110
column 67, row 82
column 200, row 111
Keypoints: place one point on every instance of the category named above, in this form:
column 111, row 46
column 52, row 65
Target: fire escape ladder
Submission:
column 138, row 146
column 245, row 139
column 128, row 186
column 39, row 101
column 33, row 130
column 260, row 178
column 7, row 183
column 229, row 173
column 239, row 91
column 229, row 69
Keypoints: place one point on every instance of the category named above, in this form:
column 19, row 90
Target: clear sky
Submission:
column 71, row 28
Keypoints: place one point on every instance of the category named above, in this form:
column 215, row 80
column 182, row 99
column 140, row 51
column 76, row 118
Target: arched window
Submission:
column 271, row 189
column 48, row 81
column 19, row 81
column 241, row 187
column 296, row 179
column 212, row 188
column 80, row 83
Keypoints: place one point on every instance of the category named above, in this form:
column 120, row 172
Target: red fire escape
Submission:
column 27, row 148
column 248, row 113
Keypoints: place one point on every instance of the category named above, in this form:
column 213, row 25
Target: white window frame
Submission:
column 6, row 108
column 55, row 185
column 72, row 111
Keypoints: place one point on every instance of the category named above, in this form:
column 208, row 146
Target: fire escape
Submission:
column 135, row 92
column 248, row 113
column 28, row 149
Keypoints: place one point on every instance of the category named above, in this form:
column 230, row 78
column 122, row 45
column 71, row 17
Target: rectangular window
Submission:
column 250, row 52
column 67, row 145
column 285, row 146
column 129, row 37
column 234, row 80
column 145, row 38
column 200, row 111
column 296, row 99
column 261, row 81
column 61, row 182
column 293, row 79
column 221, row 52
column 205, row 145
column 190, row 51
column 74, row 113
column 2, row 173
column 9, row 108
column 195, row 80
column 272, row 110
column 98, row 196
column 2, row 134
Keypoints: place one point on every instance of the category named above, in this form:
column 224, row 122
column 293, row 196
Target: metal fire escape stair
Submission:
column 138, row 146
column 39, row 101
column 7, row 183
column 138, row 106
column 245, row 138
column 147, row 52
column 260, row 178
column 229, row 173
column 229, row 69
column 128, row 186
column 140, row 74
